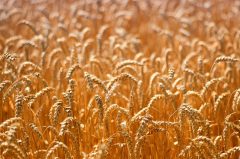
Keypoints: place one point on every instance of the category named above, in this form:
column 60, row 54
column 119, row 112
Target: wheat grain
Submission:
column 122, row 79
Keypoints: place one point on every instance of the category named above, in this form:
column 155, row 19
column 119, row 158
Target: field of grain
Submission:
column 118, row 79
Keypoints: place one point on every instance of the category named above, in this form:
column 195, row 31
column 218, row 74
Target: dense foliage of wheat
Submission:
column 133, row 79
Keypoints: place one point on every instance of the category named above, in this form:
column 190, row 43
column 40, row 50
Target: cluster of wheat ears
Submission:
column 111, row 79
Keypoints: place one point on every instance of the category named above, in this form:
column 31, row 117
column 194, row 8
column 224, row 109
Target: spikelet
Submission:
column 154, row 99
column 203, row 107
column 43, row 59
column 200, row 65
column 36, row 130
column 50, row 129
column 166, row 53
column 26, row 64
column 53, row 55
column 17, row 149
column 91, row 79
column 138, row 114
column 19, row 105
column 62, row 27
column 107, row 114
column 59, row 145
column 71, row 71
column 12, row 39
column 11, row 153
column 164, row 123
column 65, row 124
column 75, row 142
column 100, row 37
column 62, row 42
column 4, row 84
column 121, row 77
column 27, row 44
column 98, row 63
column 85, row 53
column 122, row 130
column 224, row 59
column 166, row 82
column 218, row 142
column 9, row 122
column 142, row 129
column 29, row 24
column 131, row 70
column 203, row 145
column 69, row 96
column 171, row 73
column 127, row 62
column 220, row 100
column 188, row 71
column 84, row 32
column 36, row 75
column 55, row 111
column 195, row 148
column 10, row 58
column 140, row 93
column 39, row 153
column 106, row 118
column 12, row 132
column 228, row 124
column 28, row 82
column 190, row 94
column 176, row 82
column 100, row 107
column 131, row 103
column 163, row 89
column 4, row 137
column 207, row 141
column 101, row 150
column 236, row 104
column 192, row 114
column 189, row 57
column 40, row 94
column 110, row 92
column 138, row 145
column 151, row 81
column 209, row 85
column 229, row 152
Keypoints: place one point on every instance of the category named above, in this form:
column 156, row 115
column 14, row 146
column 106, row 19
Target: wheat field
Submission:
column 127, row 79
